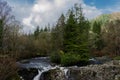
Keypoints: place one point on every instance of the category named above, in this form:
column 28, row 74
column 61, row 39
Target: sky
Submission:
column 33, row 13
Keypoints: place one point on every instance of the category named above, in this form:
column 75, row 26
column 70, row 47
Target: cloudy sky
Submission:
column 41, row 12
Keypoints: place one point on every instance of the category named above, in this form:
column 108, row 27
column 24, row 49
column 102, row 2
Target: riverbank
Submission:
column 41, row 69
column 107, row 71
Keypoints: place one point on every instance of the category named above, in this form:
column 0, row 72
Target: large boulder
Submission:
column 53, row 74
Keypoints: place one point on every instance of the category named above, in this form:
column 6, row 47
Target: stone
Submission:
column 54, row 74
column 107, row 71
column 27, row 74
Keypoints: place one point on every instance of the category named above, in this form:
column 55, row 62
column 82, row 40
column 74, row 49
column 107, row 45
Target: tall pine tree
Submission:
column 69, row 33
column 76, row 32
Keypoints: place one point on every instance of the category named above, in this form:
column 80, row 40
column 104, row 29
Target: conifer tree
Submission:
column 36, row 32
column 76, row 32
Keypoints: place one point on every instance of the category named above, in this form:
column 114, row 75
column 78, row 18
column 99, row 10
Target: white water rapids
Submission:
column 37, row 77
column 42, row 64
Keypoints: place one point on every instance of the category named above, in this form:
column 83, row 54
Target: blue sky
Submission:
column 41, row 12
column 101, row 3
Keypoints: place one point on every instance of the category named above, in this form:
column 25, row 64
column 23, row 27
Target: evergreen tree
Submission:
column 41, row 30
column 57, row 33
column 76, row 38
column 1, row 33
column 76, row 32
column 83, row 28
column 98, row 42
column 45, row 29
column 69, row 33
column 36, row 32
column 57, row 39
column 97, row 27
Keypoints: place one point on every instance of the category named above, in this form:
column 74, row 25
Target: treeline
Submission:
column 71, row 41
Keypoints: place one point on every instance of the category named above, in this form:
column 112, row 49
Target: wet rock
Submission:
column 54, row 74
column 27, row 74
column 107, row 71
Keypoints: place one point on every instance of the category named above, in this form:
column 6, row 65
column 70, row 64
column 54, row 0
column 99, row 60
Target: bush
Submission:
column 117, row 58
column 8, row 68
column 69, row 59
column 55, row 57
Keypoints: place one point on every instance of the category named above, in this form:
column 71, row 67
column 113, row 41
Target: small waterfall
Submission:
column 65, row 70
column 42, row 64
column 38, row 76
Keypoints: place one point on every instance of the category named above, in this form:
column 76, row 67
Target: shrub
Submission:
column 55, row 57
column 70, row 59
column 117, row 58
column 8, row 68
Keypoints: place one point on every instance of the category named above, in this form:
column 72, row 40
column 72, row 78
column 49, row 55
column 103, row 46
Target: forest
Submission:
column 73, row 40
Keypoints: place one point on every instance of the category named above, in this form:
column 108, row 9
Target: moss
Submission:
column 117, row 58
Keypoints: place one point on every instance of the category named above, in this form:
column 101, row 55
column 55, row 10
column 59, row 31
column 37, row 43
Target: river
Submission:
column 42, row 64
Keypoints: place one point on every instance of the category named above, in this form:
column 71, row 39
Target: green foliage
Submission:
column 98, row 41
column 70, row 59
column 45, row 29
column 36, row 32
column 97, row 27
column 69, row 33
column 76, row 33
column 117, row 58
column 57, row 34
column 1, row 32
column 72, row 37
column 104, row 19
column 55, row 57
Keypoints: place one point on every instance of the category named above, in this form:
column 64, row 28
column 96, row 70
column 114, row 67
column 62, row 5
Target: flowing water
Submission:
column 42, row 64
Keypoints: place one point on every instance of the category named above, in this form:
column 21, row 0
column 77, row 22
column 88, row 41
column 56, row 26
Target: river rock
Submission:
column 107, row 71
column 54, row 74
column 27, row 74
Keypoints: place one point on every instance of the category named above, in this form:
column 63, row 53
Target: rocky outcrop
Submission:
column 95, row 73
column 107, row 71
column 54, row 74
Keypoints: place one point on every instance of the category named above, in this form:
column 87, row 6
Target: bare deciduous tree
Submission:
column 111, row 35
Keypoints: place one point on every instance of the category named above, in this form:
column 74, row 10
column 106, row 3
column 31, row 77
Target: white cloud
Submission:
column 48, row 11
column 91, row 11
column 27, row 21
column 42, row 12
column 42, row 6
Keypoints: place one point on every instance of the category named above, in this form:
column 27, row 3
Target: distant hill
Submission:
column 108, row 17
column 105, row 18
